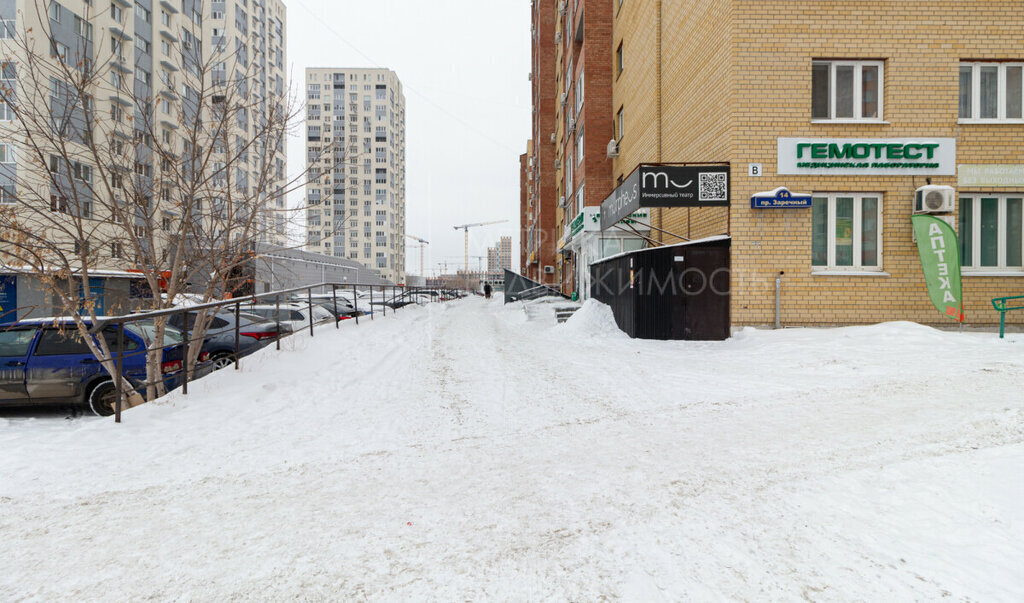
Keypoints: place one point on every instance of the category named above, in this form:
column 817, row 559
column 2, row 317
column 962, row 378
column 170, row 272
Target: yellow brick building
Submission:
column 731, row 80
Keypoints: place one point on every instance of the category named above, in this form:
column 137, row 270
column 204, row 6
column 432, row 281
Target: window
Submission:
column 141, row 12
column 6, row 111
column 83, row 172
column 55, row 10
column 6, row 153
column 83, row 28
column 619, row 124
column 991, row 91
column 116, row 250
column 579, row 94
column 618, row 60
column 58, row 51
column 53, row 342
column 7, row 30
column 59, row 204
column 115, row 13
column 8, row 194
column 846, row 231
column 579, row 146
column 846, row 90
column 992, row 232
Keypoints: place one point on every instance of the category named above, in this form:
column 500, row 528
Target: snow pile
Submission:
column 593, row 320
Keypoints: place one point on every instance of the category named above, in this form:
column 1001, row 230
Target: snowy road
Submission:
column 462, row 452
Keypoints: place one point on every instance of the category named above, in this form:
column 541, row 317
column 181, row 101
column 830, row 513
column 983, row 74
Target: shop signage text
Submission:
column 780, row 197
column 667, row 186
column 867, row 156
column 990, row 175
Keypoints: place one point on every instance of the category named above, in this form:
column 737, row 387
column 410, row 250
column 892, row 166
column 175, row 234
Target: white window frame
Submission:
column 8, row 153
column 858, row 91
column 975, row 234
column 976, row 93
column 830, row 232
column 579, row 145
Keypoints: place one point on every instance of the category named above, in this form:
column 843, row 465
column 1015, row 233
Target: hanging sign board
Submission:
column 867, row 156
column 780, row 197
column 667, row 186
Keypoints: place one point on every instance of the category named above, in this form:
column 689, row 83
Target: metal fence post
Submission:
column 334, row 296
column 237, row 306
column 309, row 298
column 119, row 370
column 355, row 302
column 184, row 353
column 371, row 303
column 383, row 299
column 277, row 318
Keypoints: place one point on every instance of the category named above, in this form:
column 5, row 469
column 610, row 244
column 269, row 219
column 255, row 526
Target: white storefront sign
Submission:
column 990, row 175
column 867, row 156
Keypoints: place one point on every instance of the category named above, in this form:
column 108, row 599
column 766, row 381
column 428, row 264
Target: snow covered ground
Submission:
column 461, row 451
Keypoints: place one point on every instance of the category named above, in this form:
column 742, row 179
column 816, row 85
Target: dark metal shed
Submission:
column 670, row 292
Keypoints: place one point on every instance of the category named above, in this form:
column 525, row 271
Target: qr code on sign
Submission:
column 714, row 186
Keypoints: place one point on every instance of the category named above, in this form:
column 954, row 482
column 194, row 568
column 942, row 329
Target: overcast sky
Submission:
column 464, row 66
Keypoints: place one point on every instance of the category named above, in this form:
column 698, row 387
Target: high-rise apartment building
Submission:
column 355, row 150
column 583, row 76
column 538, row 228
column 140, row 84
column 499, row 257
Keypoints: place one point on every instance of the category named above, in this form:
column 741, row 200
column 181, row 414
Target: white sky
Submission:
column 463, row 65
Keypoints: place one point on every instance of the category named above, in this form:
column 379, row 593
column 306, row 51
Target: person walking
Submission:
column 487, row 290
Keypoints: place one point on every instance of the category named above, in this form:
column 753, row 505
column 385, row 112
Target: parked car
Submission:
column 254, row 333
column 295, row 315
column 327, row 301
column 45, row 361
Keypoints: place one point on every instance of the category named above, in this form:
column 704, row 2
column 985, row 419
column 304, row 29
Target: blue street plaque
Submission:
column 779, row 198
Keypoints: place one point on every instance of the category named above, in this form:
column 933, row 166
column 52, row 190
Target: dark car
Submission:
column 45, row 361
column 254, row 333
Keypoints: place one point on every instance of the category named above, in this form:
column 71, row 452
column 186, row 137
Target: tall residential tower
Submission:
column 355, row 149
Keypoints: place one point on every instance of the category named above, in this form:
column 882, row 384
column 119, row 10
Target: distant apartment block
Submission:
column 355, row 150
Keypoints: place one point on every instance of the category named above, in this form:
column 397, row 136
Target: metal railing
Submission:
column 237, row 305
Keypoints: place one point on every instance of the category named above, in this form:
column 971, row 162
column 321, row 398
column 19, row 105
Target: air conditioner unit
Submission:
column 553, row 138
column 561, row 201
column 613, row 149
column 572, row 125
column 565, row 98
column 558, row 164
column 529, row 77
column 562, row 8
column 934, row 199
column 558, row 37
column 549, row 269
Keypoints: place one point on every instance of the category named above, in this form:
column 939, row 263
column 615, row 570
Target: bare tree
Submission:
column 174, row 178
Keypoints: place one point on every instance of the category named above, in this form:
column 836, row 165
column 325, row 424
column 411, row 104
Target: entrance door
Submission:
column 14, row 348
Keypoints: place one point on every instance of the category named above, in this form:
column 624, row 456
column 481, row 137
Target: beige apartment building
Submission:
column 855, row 104
column 150, row 69
column 355, row 150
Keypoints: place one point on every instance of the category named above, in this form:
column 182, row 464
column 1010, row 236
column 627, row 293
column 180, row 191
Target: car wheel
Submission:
column 102, row 399
column 221, row 360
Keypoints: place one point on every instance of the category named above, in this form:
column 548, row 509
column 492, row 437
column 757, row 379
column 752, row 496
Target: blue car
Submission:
column 45, row 361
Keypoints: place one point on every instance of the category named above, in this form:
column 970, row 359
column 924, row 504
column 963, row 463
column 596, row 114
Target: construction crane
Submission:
column 422, row 243
column 465, row 228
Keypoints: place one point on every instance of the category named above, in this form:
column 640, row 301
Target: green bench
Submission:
column 1000, row 304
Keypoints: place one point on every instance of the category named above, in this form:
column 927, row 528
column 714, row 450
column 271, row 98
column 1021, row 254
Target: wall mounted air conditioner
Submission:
column 553, row 138
column 572, row 125
column 558, row 164
column 613, row 149
column 549, row 269
column 934, row 199
column 561, row 201
column 565, row 98
column 529, row 77
column 558, row 37
column 562, row 7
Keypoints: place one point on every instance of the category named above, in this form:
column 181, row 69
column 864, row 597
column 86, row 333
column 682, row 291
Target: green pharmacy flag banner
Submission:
column 940, row 259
